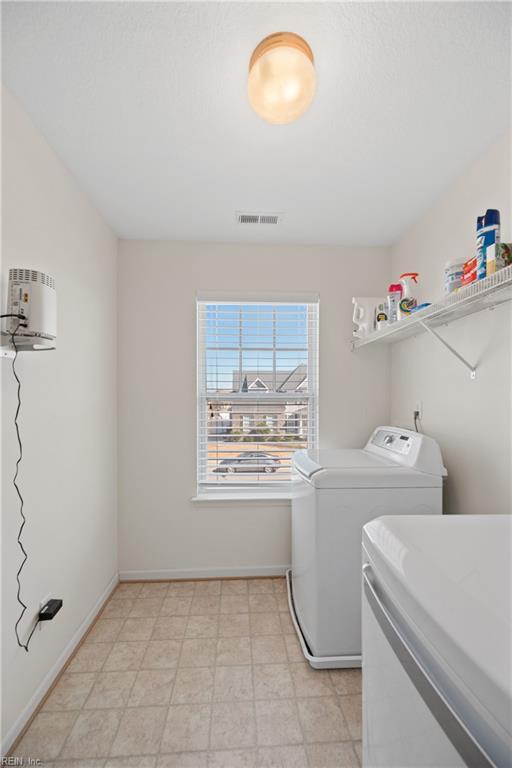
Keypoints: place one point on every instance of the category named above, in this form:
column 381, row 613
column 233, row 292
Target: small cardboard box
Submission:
column 503, row 255
column 499, row 255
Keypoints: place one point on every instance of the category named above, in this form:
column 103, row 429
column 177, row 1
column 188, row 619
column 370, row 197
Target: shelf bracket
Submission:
column 471, row 368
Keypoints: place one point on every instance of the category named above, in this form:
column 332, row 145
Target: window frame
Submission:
column 256, row 489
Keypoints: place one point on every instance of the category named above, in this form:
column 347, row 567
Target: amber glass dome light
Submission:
column 282, row 78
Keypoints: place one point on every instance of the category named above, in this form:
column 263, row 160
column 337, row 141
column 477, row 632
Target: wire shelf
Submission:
column 482, row 294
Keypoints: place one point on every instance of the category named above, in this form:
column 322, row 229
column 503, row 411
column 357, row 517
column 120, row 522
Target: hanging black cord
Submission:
column 18, row 491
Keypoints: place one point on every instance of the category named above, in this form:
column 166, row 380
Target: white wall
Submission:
column 471, row 419
column 160, row 528
column 68, row 417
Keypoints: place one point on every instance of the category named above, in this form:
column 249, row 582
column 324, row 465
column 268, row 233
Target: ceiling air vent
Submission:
column 259, row 218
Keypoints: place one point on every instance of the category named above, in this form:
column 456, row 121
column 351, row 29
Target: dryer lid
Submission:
column 357, row 468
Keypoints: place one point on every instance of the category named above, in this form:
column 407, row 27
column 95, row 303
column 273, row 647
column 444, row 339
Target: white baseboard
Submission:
column 15, row 730
column 204, row 573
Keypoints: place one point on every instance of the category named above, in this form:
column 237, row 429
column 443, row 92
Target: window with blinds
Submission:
column 257, row 390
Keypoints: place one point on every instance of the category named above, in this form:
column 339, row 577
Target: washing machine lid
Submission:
column 451, row 577
column 357, row 468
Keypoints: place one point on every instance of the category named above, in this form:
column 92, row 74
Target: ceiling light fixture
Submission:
column 282, row 78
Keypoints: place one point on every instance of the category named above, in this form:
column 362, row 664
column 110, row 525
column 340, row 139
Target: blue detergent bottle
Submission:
column 491, row 230
column 481, row 261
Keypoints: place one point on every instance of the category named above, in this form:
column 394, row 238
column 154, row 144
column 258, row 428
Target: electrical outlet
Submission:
column 42, row 603
column 419, row 408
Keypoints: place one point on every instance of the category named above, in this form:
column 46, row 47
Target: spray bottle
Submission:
column 407, row 303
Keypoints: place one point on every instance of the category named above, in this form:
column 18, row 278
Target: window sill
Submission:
column 252, row 495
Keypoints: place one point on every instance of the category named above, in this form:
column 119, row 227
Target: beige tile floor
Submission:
column 205, row 674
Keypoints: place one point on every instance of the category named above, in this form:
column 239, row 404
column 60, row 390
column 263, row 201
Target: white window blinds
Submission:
column 257, row 389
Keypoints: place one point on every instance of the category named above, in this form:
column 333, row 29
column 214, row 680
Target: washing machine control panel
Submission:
column 393, row 441
column 407, row 448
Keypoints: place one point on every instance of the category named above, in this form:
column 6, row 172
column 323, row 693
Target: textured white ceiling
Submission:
column 146, row 104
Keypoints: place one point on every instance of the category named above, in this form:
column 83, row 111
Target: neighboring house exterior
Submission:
column 275, row 417
column 267, row 381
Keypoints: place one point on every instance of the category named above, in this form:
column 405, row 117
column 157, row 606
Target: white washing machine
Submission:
column 437, row 642
column 336, row 492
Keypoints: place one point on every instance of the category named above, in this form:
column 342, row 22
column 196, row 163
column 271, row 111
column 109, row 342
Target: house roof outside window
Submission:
column 285, row 381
